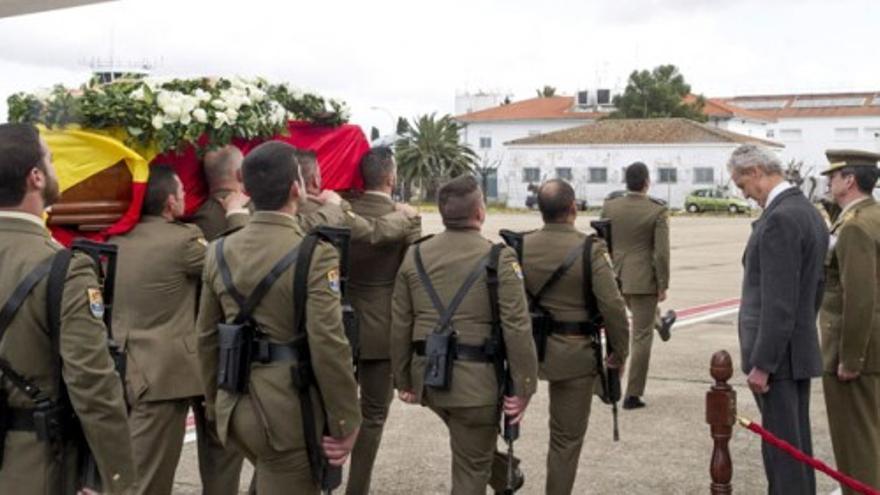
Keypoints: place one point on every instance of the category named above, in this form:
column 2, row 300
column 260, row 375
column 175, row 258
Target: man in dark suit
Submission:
column 781, row 296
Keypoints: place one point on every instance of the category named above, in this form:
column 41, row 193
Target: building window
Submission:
column 564, row 173
column 846, row 134
column 667, row 176
column 531, row 174
column 791, row 134
column 771, row 133
column 485, row 143
column 873, row 132
column 598, row 175
column 704, row 175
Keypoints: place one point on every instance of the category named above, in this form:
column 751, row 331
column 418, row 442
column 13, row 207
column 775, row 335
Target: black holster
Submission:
column 542, row 326
column 236, row 348
column 439, row 360
column 49, row 422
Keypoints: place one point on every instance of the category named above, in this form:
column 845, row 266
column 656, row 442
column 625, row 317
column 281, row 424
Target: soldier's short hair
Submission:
column 221, row 164
column 161, row 184
column 376, row 166
column 555, row 198
column 268, row 173
column 459, row 199
column 20, row 152
column 748, row 156
column 865, row 177
column 308, row 163
column 636, row 176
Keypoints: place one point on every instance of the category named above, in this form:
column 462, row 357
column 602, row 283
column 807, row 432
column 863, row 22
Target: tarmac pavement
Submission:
column 665, row 447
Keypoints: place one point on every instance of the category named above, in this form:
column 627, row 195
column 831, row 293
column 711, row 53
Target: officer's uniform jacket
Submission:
column 157, row 279
column 572, row 356
column 213, row 219
column 251, row 253
column 391, row 227
column 372, row 271
column 448, row 259
column 640, row 230
column 850, row 314
column 94, row 388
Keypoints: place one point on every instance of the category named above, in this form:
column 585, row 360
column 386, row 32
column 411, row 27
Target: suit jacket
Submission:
column 251, row 253
column 640, row 230
column 94, row 388
column 850, row 317
column 782, row 289
column 372, row 268
column 449, row 258
column 572, row 356
column 157, row 279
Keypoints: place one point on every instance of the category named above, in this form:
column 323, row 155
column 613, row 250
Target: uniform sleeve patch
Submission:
column 96, row 302
column 333, row 280
column 517, row 270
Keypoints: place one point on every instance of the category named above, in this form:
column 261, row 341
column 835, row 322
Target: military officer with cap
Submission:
column 158, row 270
column 640, row 226
column 569, row 363
column 468, row 401
column 850, row 317
column 265, row 421
column 27, row 186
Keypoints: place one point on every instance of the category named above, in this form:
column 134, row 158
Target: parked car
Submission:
column 715, row 200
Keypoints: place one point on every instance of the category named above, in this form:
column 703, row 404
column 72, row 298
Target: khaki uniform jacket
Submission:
column 371, row 278
column 94, row 388
column 251, row 253
column 640, row 230
column 157, row 279
column 570, row 356
column 392, row 227
column 850, row 314
column 212, row 219
column 449, row 258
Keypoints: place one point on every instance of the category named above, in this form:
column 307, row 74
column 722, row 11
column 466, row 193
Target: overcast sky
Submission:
column 409, row 57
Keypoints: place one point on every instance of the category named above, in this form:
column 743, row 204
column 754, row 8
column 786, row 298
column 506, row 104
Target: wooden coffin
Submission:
column 95, row 203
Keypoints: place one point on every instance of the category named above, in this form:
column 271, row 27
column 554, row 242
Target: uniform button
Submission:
column 116, row 477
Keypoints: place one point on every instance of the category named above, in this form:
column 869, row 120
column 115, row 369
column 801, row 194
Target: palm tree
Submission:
column 429, row 152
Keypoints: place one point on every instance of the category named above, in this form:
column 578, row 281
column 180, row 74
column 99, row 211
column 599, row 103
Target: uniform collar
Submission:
column 20, row 215
column 854, row 204
column 559, row 227
column 274, row 218
column 23, row 223
column 379, row 194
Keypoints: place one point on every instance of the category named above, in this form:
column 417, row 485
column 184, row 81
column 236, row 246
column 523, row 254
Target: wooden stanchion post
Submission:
column 721, row 416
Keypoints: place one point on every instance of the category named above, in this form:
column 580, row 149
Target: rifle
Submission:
column 340, row 237
column 510, row 435
column 610, row 378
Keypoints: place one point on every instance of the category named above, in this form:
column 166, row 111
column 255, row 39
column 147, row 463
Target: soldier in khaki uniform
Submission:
column 569, row 363
column 328, row 208
column 27, row 186
column 265, row 422
column 371, row 284
column 225, row 208
column 470, row 406
column 850, row 317
column 159, row 264
column 640, row 227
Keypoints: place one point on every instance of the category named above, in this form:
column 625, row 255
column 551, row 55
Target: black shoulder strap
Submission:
column 590, row 302
column 21, row 293
column 247, row 306
column 447, row 313
column 492, row 282
column 301, row 282
column 558, row 273
column 54, row 295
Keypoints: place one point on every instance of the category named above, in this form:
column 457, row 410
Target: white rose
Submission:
column 220, row 119
column 186, row 119
column 164, row 98
column 138, row 94
column 231, row 114
column 257, row 94
column 158, row 121
column 173, row 111
column 202, row 95
column 200, row 115
column 219, row 104
column 188, row 104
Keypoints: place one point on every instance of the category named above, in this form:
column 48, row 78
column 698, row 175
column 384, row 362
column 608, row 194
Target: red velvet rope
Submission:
column 811, row 461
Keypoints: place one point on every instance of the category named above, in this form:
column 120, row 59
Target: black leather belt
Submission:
column 269, row 352
column 573, row 328
column 19, row 419
column 463, row 352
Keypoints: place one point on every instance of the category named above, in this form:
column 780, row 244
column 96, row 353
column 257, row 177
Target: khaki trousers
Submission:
column 157, row 431
column 374, row 376
column 570, row 402
column 854, row 421
column 473, row 432
column 644, row 318
column 277, row 473
column 219, row 467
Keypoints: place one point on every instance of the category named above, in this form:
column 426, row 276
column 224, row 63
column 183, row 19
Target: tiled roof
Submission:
column 718, row 108
column 809, row 105
column 641, row 131
column 550, row 108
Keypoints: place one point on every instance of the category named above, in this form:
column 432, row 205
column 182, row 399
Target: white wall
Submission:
column 745, row 127
column 683, row 157
column 807, row 139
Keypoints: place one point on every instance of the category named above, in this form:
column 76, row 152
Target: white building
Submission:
column 681, row 154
